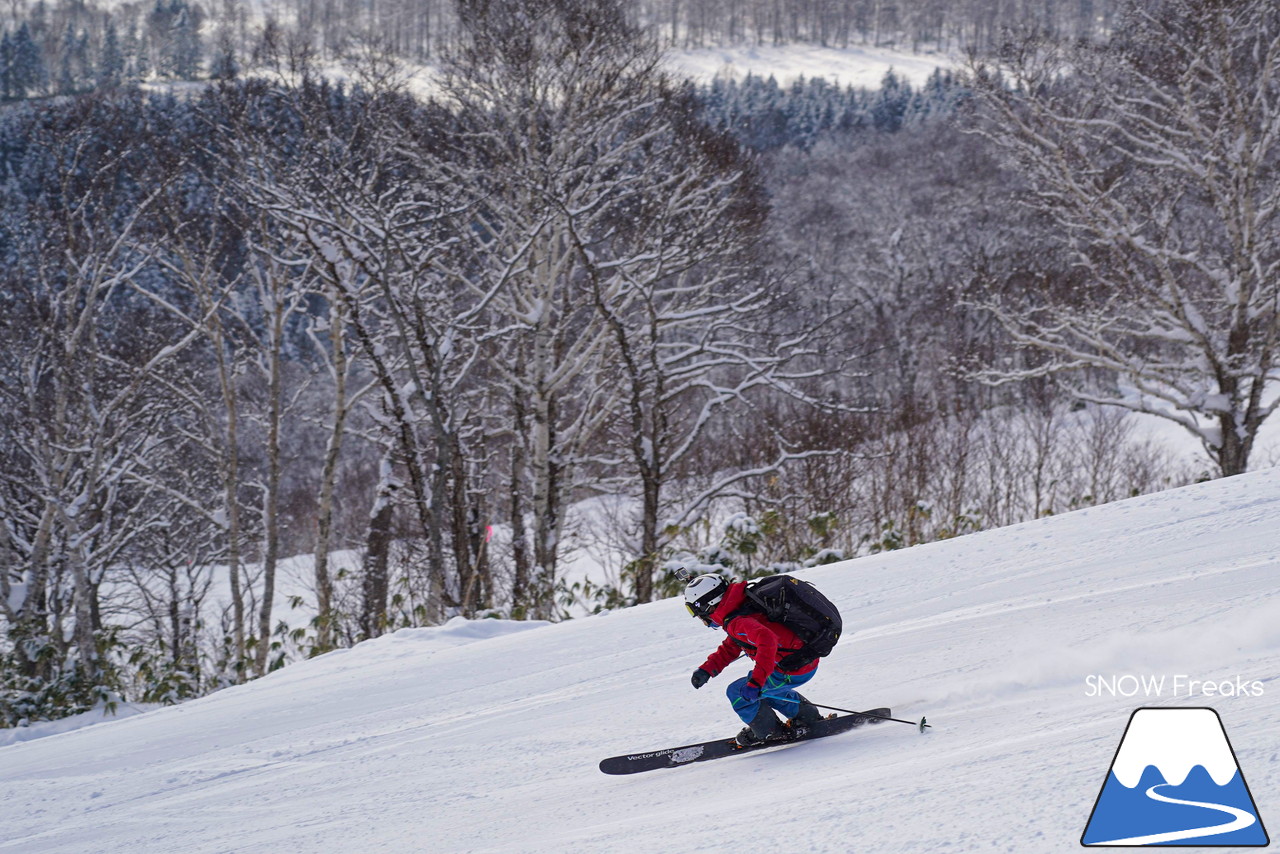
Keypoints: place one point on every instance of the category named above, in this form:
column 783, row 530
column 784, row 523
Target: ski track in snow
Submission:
column 468, row 738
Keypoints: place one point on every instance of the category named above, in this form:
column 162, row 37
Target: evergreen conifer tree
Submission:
column 186, row 40
column 6, row 66
column 29, row 77
column 111, row 65
column 893, row 104
column 136, row 66
column 67, row 77
column 160, row 39
column 225, row 65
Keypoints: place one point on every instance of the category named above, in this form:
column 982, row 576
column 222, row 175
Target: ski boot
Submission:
column 806, row 716
column 765, row 726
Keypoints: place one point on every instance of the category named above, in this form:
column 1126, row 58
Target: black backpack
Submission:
column 801, row 608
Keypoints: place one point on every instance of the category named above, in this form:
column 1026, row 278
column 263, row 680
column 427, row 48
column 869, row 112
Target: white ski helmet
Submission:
column 703, row 594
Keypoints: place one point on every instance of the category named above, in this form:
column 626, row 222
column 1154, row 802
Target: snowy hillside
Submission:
column 486, row 736
column 862, row 66
column 859, row 66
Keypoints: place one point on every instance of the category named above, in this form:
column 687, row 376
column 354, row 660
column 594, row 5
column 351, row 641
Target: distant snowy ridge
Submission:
column 863, row 66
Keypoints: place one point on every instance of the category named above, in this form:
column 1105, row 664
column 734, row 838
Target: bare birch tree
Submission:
column 193, row 253
column 1156, row 153
column 376, row 213
column 279, row 291
column 330, row 339
column 586, row 210
column 675, row 281
column 85, row 425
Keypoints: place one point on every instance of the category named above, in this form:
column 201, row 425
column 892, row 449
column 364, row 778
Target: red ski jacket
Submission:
column 764, row 641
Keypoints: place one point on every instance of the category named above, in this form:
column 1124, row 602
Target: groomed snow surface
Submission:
column 486, row 736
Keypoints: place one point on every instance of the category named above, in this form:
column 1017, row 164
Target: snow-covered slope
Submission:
column 471, row 737
column 862, row 66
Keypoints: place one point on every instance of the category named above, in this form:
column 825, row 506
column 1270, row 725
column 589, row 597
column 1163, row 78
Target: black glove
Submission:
column 700, row 677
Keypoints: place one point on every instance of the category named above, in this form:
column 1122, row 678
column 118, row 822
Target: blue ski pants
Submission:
column 778, row 691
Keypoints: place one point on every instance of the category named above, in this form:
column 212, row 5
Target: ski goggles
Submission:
column 706, row 618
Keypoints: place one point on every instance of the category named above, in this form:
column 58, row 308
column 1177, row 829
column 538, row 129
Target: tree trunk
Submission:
column 546, row 508
column 373, row 609
column 328, row 484
column 271, row 522
column 519, row 539
column 647, row 564
column 1233, row 452
column 465, row 553
column 230, row 485
column 83, row 592
column 30, row 618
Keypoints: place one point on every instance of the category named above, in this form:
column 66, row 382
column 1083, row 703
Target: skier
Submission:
column 772, row 682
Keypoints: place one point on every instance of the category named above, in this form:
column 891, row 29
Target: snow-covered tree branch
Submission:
column 1156, row 154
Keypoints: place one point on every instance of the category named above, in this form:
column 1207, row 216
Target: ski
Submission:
column 673, row 757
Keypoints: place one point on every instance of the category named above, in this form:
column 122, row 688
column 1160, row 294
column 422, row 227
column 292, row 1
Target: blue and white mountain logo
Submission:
column 1175, row 781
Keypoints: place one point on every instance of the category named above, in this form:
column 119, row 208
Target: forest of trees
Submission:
column 436, row 345
column 70, row 46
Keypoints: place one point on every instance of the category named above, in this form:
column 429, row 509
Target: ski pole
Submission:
column 919, row 724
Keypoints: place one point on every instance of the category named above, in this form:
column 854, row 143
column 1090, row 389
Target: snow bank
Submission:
column 459, row 631
column 43, row 729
